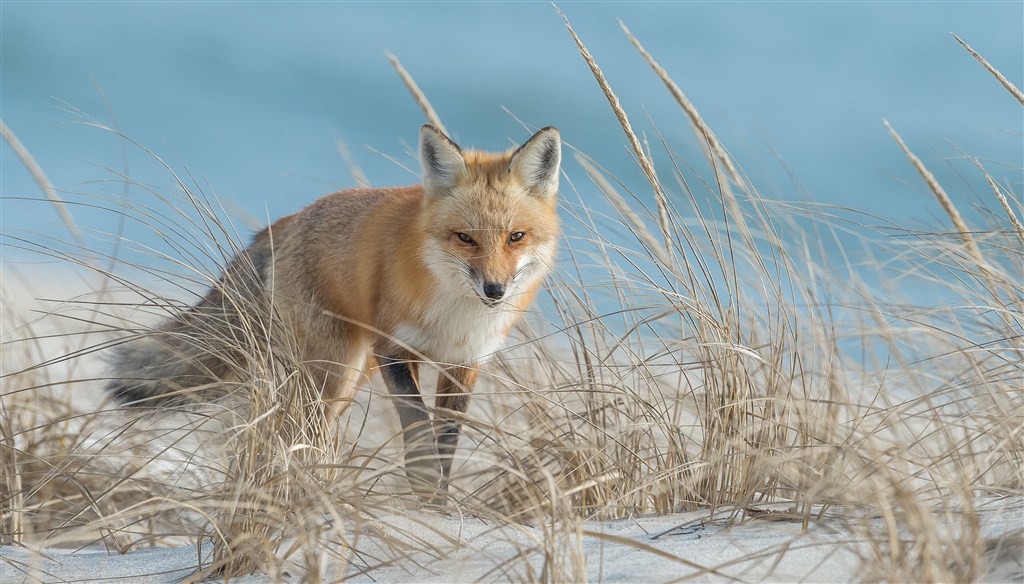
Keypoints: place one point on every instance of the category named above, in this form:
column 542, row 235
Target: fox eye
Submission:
column 465, row 238
column 518, row 235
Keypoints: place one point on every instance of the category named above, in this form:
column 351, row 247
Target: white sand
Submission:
column 648, row 549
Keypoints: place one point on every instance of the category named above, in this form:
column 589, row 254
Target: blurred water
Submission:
column 251, row 98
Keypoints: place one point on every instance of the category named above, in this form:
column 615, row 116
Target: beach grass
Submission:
column 700, row 347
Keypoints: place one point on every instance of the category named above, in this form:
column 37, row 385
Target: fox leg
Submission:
column 337, row 368
column 453, row 387
column 421, row 462
column 340, row 384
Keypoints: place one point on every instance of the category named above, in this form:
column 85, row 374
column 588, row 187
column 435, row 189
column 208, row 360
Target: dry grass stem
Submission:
column 417, row 94
column 353, row 168
column 1006, row 207
column 704, row 133
column 995, row 73
column 943, row 198
column 623, row 208
column 620, row 114
column 42, row 180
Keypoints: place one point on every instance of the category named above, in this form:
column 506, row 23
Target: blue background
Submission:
column 251, row 97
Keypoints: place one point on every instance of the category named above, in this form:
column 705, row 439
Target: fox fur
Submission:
column 375, row 279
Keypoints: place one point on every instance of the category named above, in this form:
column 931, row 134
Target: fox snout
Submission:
column 494, row 290
column 489, row 286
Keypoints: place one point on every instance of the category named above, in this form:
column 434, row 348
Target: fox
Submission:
column 381, row 280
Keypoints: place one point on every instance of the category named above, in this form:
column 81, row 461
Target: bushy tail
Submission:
column 188, row 360
column 196, row 355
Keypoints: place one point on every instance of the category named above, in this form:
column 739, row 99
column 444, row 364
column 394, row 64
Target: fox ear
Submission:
column 441, row 159
column 538, row 160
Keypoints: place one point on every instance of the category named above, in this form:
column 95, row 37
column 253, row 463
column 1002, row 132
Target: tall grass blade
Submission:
column 995, row 73
column 42, row 180
column 417, row 94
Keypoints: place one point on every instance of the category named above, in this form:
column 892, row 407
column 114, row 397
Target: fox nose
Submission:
column 494, row 291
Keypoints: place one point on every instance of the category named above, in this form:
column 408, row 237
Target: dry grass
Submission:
column 728, row 361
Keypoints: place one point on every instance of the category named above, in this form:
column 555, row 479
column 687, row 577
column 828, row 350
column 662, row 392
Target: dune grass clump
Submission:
column 701, row 347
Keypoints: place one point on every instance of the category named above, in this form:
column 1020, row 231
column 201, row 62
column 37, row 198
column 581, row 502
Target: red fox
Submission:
column 380, row 279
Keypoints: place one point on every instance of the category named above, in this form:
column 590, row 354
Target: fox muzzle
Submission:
column 493, row 290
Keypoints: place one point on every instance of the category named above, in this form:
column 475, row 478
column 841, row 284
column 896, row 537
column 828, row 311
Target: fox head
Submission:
column 490, row 219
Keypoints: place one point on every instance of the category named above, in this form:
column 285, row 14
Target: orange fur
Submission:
column 439, row 272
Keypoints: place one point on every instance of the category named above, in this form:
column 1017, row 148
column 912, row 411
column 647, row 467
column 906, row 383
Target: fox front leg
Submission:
column 421, row 460
column 453, row 387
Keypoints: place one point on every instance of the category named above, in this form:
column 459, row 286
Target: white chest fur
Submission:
column 460, row 332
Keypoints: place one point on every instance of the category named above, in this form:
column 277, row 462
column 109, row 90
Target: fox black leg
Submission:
column 421, row 461
column 453, row 387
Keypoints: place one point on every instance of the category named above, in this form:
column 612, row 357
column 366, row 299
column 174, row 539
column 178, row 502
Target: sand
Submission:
column 770, row 546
